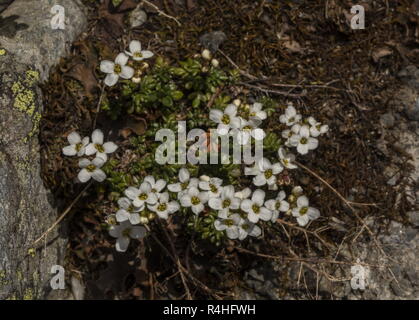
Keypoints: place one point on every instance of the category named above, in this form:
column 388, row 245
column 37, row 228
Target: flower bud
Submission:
column 237, row 102
column 206, row 54
column 215, row 63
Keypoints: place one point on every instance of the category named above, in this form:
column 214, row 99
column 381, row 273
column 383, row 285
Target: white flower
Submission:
column 316, row 128
column 290, row 117
column 303, row 212
column 226, row 120
column 116, row 69
column 243, row 194
column 77, row 145
column 277, row 205
column 195, row 199
column 213, row 186
column 286, row 159
column 136, row 53
column 303, row 141
column 163, row 207
column 226, row 202
column 124, row 232
column 156, row 186
column 91, row 169
column 265, row 172
column 215, row 63
column 248, row 129
column 229, row 223
column 247, row 228
column 256, row 112
column 255, row 208
column 98, row 147
column 142, row 195
column 185, row 182
column 128, row 211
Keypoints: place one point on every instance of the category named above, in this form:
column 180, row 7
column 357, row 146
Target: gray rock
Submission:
column 410, row 76
column 137, row 17
column 387, row 120
column 414, row 217
column 25, row 210
column 212, row 40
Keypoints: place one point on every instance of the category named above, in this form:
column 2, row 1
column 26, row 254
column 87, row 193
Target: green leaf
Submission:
column 177, row 95
column 167, row 101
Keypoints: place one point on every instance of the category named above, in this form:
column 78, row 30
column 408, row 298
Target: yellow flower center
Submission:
column 91, row 168
column 195, row 201
column 100, row 148
column 184, row 185
column 225, row 119
column 228, row 222
column 226, row 203
column 268, row 173
column 213, row 188
column 162, row 207
column 143, row 196
column 79, row 146
column 126, row 232
column 256, row 208
column 303, row 211
column 303, row 141
column 138, row 54
column 117, row 69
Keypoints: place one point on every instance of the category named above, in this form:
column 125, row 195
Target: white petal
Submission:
column 121, row 59
column 98, row 162
column 70, row 150
column 256, row 231
column 231, row 110
column 97, row 136
column 122, row 215
column 246, row 205
column 235, row 203
column 312, row 143
column 173, row 206
column 90, row 149
column 111, row 79
column 137, row 232
column 174, row 187
column 132, row 193
column 232, row 232
column 134, row 218
column 265, row 214
column 115, row 231
column 259, row 180
column 198, row 208
column 124, row 203
column 107, row 66
column 135, row 46
column 258, row 197
column 277, row 168
column 304, row 131
column 204, row 185
column 302, row 201
column 185, row 201
column 145, row 187
column 216, row 115
column 98, row 175
column 302, row 148
column 284, row 206
column 84, row 176
column 150, row 180
column 183, row 175
column 253, row 217
column 303, row 220
column 203, row 196
column 110, row 147
column 223, row 129
column 74, row 138
column 83, row 163
column 160, row 184
column 271, row 204
column 152, row 198
column 164, row 197
column 313, row 213
column 126, row 72
column 219, row 225
column 147, row 54
column 215, row 203
column 122, row 244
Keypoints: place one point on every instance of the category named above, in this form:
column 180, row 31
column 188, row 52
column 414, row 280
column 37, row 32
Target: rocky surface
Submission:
column 28, row 49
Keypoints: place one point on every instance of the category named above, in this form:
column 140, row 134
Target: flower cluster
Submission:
column 302, row 133
column 97, row 148
column 119, row 68
column 240, row 120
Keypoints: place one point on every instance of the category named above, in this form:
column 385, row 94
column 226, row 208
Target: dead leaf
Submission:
column 85, row 75
column 381, row 53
